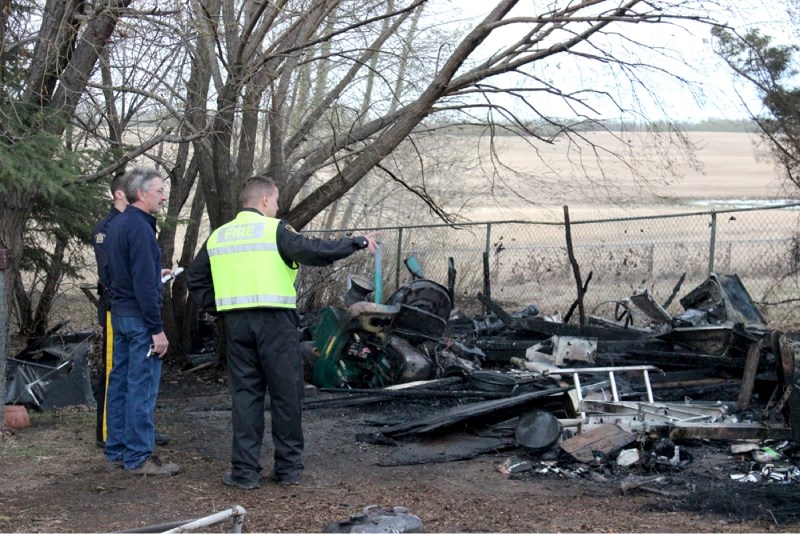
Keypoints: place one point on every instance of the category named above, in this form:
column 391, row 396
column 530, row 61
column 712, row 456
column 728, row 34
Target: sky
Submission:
column 715, row 93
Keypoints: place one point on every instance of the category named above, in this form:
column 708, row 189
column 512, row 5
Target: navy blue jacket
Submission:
column 101, row 258
column 134, row 261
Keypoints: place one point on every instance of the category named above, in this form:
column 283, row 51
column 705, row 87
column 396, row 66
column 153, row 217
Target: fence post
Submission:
column 713, row 243
column 5, row 263
column 487, row 288
column 399, row 258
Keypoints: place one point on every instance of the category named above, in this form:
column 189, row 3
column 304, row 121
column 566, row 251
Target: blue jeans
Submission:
column 131, row 395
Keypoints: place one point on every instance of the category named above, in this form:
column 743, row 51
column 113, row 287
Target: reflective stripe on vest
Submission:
column 246, row 267
column 231, row 249
column 255, row 299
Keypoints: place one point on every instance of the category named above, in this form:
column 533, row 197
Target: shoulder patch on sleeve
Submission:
column 100, row 238
column 289, row 227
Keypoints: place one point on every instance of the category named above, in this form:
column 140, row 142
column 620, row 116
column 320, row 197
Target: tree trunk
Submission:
column 184, row 307
column 15, row 210
column 52, row 280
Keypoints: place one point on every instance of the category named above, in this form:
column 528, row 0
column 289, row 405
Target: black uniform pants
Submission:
column 263, row 353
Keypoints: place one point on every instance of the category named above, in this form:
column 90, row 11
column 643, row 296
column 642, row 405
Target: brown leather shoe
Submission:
column 153, row 466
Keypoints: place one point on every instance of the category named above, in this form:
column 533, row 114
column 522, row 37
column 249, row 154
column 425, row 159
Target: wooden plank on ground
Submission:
column 606, row 439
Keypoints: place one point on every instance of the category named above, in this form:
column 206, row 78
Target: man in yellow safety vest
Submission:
column 246, row 271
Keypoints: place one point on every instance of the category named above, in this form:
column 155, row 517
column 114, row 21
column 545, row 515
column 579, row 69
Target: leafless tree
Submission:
column 319, row 93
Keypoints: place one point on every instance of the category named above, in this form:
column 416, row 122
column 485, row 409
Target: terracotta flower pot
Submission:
column 16, row 416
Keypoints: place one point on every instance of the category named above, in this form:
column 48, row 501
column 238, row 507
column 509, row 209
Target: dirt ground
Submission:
column 55, row 480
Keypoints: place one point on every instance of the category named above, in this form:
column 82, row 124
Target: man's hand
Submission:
column 160, row 344
column 372, row 244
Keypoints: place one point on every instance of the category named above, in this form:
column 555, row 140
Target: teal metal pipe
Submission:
column 378, row 295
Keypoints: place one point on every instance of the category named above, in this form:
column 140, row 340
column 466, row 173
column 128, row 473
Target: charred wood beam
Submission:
column 728, row 431
column 420, row 394
column 674, row 291
column 576, row 270
column 338, row 402
column 451, row 277
column 790, row 379
column 749, row 375
column 670, row 359
column 571, row 309
column 544, row 328
column 475, row 414
column 717, row 389
column 496, row 309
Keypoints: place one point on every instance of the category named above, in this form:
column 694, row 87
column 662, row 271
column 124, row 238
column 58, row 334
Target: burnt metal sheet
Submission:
column 724, row 298
column 55, row 375
column 647, row 304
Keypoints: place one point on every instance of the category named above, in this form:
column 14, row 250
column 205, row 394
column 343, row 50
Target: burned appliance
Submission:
column 371, row 345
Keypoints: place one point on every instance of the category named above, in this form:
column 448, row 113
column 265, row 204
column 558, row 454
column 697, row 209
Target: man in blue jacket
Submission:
column 104, row 305
column 139, row 338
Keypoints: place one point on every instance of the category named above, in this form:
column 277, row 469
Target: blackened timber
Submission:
column 496, row 309
column 670, row 359
column 571, row 309
column 576, row 270
column 790, row 380
column 502, row 349
column 473, row 414
column 749, row 375
column 419, row 394
column 547, row 329
column 674, row 291
column 728, row 431
column 709, row 388
column 344, row 402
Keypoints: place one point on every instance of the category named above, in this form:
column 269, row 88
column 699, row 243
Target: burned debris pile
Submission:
column 52, row 371
column 625, row 394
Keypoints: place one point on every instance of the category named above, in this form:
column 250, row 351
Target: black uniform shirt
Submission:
column 101, row 257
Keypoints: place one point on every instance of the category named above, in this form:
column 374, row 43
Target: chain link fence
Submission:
column 520, row 263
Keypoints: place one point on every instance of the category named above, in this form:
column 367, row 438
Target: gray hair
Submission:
column 137, row 179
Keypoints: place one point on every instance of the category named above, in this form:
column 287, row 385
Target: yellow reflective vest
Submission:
column 247, row 270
